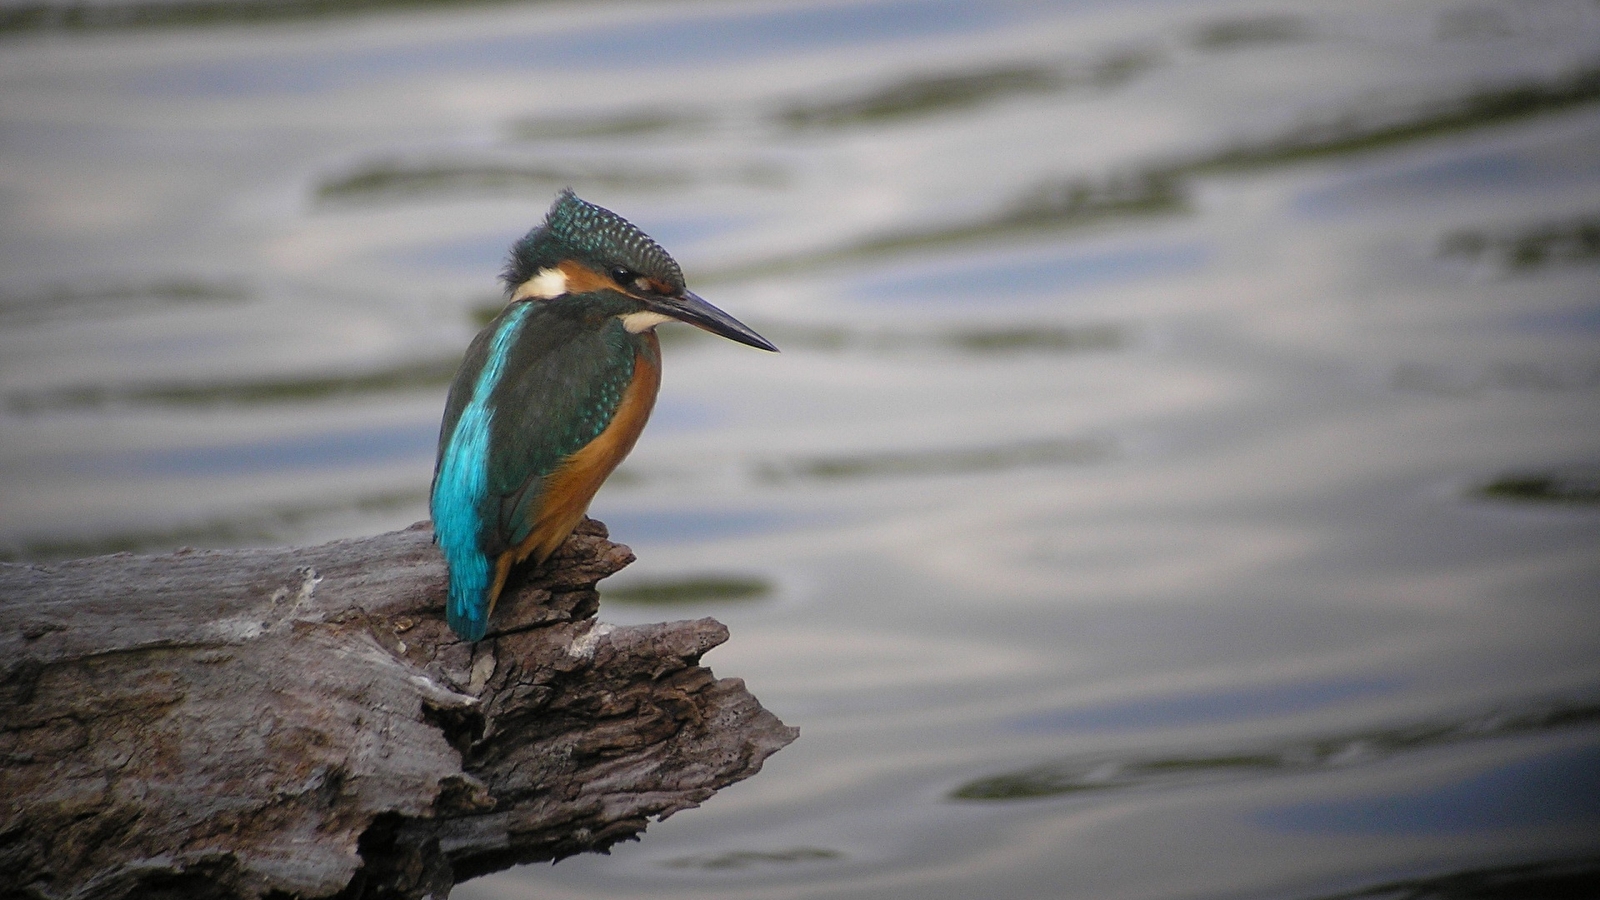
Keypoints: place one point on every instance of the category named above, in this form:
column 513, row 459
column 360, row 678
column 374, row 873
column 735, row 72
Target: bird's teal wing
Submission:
column 460, row 476
column 564, row 388
column 460, row 396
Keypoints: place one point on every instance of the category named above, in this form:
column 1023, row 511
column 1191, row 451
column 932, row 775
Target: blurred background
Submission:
column 1181, row 478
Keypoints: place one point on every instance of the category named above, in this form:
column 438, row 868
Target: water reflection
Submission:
column 743, row 859
column 925, row 95
column 1555, row 878
column 1026, row 280
column 1496, row 377
column 408, row 376
column 383, row 180
column 682, row 524
column 324, row 450
column 1560, row 788
column 690, row 589
column 1444, row 179
column 628, row 124
column 1575, row 485
column 1250, row 31
column 111, row 300
column 1531, row 246
column 653, row 44
column 1136, row 768
column 1219, row 706
column 979, row 341
column 936, row 462
column 258, row 527
column 1359, row 131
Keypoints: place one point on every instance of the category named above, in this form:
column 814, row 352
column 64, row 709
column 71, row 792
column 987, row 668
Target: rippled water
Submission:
column 1182, row 475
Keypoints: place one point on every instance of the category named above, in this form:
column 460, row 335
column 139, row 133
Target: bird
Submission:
column 552, row 394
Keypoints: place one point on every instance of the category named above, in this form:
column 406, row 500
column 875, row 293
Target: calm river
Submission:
column 1181, row 478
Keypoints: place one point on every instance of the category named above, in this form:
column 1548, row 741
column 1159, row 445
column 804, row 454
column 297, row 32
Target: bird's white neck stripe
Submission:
column 644, row 320
column 547, row 285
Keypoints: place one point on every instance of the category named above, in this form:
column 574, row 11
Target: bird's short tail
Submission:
column 468, row 608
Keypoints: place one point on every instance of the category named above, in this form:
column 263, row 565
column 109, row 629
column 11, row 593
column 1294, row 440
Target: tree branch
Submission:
column 238, row 723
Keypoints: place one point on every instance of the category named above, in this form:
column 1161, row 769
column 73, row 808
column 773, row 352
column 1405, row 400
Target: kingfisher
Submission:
column 552, row 394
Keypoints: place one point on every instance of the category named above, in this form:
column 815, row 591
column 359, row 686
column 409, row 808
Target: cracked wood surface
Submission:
column 301, row 721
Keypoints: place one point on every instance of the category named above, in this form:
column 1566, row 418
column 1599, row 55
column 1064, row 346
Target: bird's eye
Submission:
column 631, row 280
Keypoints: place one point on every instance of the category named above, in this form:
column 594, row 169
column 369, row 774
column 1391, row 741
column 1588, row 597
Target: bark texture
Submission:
column 301, row 722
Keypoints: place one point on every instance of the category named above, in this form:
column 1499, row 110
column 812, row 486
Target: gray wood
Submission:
column 243, row 722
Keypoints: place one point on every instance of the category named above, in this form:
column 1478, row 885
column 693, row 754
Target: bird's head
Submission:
column 585, row 250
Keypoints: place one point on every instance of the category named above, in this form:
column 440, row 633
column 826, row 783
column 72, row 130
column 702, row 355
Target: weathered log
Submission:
column 301, row 722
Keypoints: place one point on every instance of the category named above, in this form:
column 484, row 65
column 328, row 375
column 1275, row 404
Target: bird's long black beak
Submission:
column 688, row 307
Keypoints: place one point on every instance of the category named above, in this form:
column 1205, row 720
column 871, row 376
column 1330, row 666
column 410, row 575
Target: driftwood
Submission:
column 301, row 722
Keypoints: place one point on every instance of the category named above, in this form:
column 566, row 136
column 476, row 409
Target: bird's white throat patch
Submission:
column 547, row 285
column 644, row 320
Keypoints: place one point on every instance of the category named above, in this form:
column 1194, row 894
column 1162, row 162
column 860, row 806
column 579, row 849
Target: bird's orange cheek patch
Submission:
column 583, row 280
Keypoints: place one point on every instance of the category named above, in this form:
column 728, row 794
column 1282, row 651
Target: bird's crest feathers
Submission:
column 576, row 229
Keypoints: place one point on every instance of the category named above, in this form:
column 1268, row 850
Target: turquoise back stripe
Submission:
column 459, row 491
